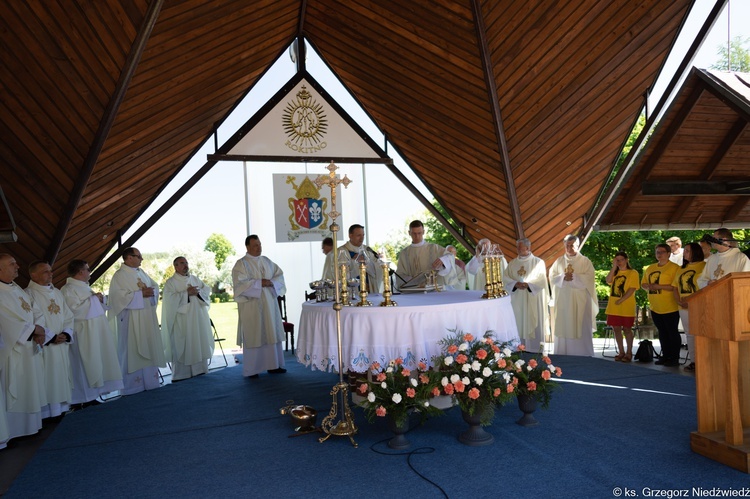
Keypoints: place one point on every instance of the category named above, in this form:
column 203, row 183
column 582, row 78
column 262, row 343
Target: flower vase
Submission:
column 527, row 404
column 399, row 429
column 475, row 435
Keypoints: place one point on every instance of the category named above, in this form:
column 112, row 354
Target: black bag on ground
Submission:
column 645, row 352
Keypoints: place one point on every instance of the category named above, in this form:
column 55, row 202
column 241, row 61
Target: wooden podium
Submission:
column 720, row 322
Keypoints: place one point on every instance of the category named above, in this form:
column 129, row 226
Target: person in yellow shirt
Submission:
column 623, row 282
column 685, row 284
column 657, row 280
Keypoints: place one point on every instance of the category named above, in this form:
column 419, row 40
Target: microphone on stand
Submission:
column 711, row 239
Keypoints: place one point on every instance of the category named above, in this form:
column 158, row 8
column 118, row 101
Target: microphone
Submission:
column 711, row 239
column 377, row 255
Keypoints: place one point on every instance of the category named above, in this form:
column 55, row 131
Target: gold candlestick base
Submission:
column 345, row 426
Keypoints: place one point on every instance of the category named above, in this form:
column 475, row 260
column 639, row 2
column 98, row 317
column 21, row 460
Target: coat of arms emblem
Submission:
column 308, row 208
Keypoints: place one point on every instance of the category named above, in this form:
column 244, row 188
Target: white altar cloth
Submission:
column 411, row 330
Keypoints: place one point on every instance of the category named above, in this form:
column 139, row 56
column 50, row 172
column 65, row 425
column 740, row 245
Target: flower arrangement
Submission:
column 477, row 372
column 397, row 391
column 535, row 375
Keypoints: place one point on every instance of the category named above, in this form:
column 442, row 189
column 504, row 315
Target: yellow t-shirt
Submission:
column 661, row 301
column 622, row 282
column 686, row 280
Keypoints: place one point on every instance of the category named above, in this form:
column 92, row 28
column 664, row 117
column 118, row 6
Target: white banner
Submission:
column 301, row 209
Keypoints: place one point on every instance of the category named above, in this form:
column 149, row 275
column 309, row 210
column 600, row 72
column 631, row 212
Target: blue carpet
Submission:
column 220, row 435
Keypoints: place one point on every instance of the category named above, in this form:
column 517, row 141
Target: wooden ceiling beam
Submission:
column 736, row 209
column 497, row 120
column 105, row 126
column 696, row 188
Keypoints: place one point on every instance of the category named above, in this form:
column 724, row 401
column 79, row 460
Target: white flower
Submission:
column 371, row 397
column 476, row 365
column 383, row 385
column 520, row 363
column 486, row 372
column 479, row 381
column 507, row 352
column 529, row 368
column 448, row 361
column 455, row 377
column 497, row 355
column 463, row 347
column 465, row 380
column 413, row 382
column 551, row 368
column 427, row 403
column 506, row 376
column 396, row 398
column 444, row 381
column 466, row 368
column 389, row 370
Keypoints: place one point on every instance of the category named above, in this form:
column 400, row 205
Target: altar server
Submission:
column 185, row 322
column 420, row 257
column 22, row 372
column 257, row 284
column 133, row 296
column 93, row 355
column 574, row 304
column 525, row 279
column 48, row 301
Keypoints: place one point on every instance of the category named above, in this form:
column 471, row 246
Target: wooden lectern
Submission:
column 720, row 322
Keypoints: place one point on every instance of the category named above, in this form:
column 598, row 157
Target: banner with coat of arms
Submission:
column 301, row 209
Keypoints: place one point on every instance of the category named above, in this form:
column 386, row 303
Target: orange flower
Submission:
column 398, row 361
column 501, row 363
column 380, row 377
column 496, row 393
column 452, row 349
column 547, row 360
column 532, row 363
column 558, row 372
column 461, row 358
column 468, row 337
column 489, row 341
column 435, row 391
column 460, row 387
column 410, row 392
column 474, row 394
column 380, row 411
column 495, row 348
column 363, row 388
column 448, row 389
column 375, row 366
column 521, row 347
column 510, row 388
column 422, row 366
column 406, row 372
column 481, row 354
column 424, row 379
column 546, row 375
column 531, row 386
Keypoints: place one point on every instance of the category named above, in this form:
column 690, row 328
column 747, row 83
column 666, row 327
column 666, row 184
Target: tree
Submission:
column 221, row 247
column 738, row 53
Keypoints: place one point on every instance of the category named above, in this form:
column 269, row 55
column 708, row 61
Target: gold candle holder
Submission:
column 387, row 302
column 363, row 286
column 500, row 287
column 344, row 285
column 489, row 293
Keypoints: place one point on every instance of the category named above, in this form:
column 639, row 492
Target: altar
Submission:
column 410, row 331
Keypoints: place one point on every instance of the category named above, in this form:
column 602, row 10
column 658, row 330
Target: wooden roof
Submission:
column 512, row 112
column 694, row 173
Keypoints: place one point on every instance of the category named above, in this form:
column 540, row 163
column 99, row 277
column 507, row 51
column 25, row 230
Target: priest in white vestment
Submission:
column 475, row 267
column 185, row 322
column 327, row 246
column 726, row 260
column 257, row 284
column 420, row 257
column 48, row 301
column 133, row 296
column 574, row 304
column 22, row 373
column 525, row 279
column 93, row 355
column 352, row 253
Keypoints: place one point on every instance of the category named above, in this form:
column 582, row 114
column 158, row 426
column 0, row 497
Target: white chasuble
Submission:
column 417, row 259
column 260, row 320
column 529, row 306
column 575, row 303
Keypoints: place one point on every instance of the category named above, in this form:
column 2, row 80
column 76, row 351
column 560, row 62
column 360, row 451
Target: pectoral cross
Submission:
column 718, row 272
column 569, row 269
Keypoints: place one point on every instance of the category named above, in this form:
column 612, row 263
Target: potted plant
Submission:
column 534, row 378
column 395, row 392
column 478, row 374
